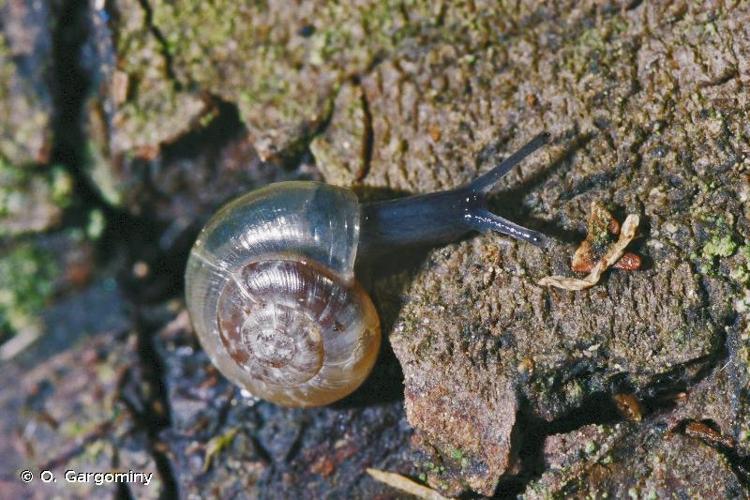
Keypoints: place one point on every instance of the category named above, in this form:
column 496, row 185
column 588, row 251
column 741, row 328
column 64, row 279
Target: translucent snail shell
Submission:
column 272, row 294
column 270, row 282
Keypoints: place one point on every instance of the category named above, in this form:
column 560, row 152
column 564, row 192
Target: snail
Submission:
column 270, row 282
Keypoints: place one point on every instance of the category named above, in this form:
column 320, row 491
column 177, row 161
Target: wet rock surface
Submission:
column 108, row 168
column 66, row 407
column 222, row 442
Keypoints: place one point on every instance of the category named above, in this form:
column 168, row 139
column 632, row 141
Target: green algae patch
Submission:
column 719, row 246
column 282, row 62
column 27, row 276
column 31, row 199
column 148, row 104
column 741, row 271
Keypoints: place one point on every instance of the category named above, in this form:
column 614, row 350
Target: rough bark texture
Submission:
column 108, row 168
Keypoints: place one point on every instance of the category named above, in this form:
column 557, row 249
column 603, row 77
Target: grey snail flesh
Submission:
column 272, row 296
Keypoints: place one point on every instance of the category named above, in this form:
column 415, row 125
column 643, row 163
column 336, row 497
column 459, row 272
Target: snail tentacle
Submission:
column 486, row 182
column 484, row 220
column 434, row 218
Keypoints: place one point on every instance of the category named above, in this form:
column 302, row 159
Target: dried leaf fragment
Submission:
column 405, row 484
column 602, row 230
column 612, row 255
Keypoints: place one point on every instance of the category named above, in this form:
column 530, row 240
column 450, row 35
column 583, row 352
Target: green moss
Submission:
column 434, row 468
column 719, row 246
column 741, row 272
column 680, row 336
column 573, row 391
column 27, row 275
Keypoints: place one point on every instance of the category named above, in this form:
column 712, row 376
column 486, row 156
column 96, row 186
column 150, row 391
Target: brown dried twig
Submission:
column 405, row 484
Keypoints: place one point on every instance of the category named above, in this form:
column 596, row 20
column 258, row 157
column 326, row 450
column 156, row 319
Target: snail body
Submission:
column 270, row 282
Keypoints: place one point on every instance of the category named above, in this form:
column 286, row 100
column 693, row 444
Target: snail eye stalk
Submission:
column 435, row 218
column 486, row 182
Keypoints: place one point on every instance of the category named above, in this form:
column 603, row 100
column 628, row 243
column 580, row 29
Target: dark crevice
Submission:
column 740, row 462
column 127, row 236
column 299, row 152
column 225, row 126
column 385, row 384
column 599, row 409
column 209, row 140
column 71, row 91
column 728, row 75
column 150, row 407
column 263, row 454
column 709, row 432
column 296, row 447
column 163, row 45
column 122, row 490
column 633, row 4
column 143, row 238
column 71, row 88
column 368, row 140
column 738, row 377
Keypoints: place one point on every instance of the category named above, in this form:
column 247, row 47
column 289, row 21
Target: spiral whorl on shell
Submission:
column 272, row 295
